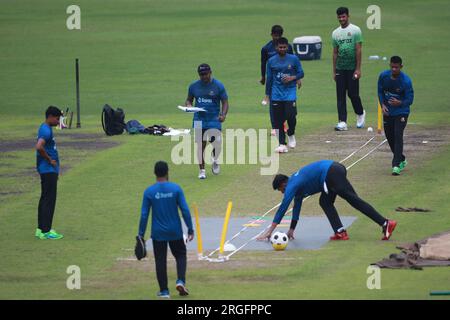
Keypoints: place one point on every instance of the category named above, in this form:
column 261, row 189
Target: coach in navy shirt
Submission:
column 208, row 93
column 270, row 49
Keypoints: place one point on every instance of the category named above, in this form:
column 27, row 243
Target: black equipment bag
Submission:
column 113, row 121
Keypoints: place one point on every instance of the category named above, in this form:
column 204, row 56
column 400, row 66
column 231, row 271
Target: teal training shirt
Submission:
column 42, row 165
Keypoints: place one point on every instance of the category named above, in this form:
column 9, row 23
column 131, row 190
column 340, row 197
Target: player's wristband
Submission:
column 293, row 224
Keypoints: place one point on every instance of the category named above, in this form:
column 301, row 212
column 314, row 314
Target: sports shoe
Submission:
column 282, row 149
column 202, row 174
column 38, row 233
column 403, row 164
column 163, row 294
column 181, row 288
column 340, row 236
column 291, row 142
column 215, row 167
column 341, row 126
column 52, row 235
column 396, row 171
column 273, row 132
column 361, row 120
column 388, row 229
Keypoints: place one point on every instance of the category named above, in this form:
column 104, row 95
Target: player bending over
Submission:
column 330, row 179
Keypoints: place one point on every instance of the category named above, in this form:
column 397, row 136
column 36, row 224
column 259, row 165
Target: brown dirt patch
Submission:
column 77, row 141
column 73, row 147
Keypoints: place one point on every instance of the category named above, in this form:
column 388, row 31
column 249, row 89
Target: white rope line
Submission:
column 207, row 258
column 367, row 154
column 350, row 166
column 351, row 154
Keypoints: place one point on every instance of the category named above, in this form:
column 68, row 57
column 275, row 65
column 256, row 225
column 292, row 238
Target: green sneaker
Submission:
column 39, row 234
column 396, row 171
column 402, row 165
column 53, row 235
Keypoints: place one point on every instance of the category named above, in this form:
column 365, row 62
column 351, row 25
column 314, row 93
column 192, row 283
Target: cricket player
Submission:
column 268, row 51
column 396, row 95
column 208, row 94
column 347, row 52
column 164, row 198
column 330, row 179
column 47, row 165
column 283, row 71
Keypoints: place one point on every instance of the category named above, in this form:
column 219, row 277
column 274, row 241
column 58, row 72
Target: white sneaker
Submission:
column 215, row 167
column 341, row 126
column 282, row 149
column 273, row 132
column 361, row 120
column 202, row 174
column 291, row 142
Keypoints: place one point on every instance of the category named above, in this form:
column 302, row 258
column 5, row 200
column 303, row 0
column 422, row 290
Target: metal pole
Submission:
column 77, row 75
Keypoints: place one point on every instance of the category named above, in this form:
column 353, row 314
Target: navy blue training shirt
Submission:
column 208, row 96
column 277, row 67
column 307, row 181
column 267, row 52
column 164, row 199
column 400, row 88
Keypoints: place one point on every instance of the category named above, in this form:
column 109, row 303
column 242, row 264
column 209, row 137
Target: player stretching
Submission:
column 330, row 179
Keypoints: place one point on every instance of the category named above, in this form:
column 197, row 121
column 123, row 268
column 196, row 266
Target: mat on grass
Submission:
column 311, row 233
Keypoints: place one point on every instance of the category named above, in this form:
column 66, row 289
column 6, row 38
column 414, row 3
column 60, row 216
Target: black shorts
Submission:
column 209, row 135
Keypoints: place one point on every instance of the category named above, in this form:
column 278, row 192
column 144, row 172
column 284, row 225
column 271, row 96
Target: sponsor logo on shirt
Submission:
column 160, row 195
column 280, row 75
column 203, row 100
column 342, row 41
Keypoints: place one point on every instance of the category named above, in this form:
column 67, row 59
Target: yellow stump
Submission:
column 225, row 227
column 380, row 118
column 199, row 233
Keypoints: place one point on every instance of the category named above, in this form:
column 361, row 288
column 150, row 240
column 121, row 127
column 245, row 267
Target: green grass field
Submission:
column 141, row 56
